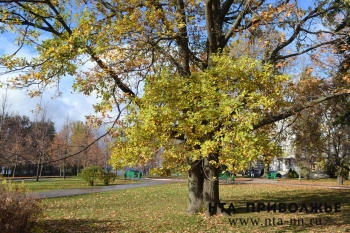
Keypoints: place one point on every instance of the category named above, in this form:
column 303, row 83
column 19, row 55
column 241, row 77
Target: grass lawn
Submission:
column 60, row 183
column 324, row 181
column 163, row 209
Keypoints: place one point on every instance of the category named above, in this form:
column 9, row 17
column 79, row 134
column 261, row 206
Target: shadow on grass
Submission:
column 80, row 225
column 299, row 221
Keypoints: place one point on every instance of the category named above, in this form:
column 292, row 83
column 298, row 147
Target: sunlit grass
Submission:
column 163, row 209
column 323, row 181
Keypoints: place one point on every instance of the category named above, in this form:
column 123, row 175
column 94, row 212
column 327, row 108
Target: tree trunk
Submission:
column 14, row 167
column 211, row 186
column 41, row 170
column 64, row 169
column 266, row 167
column 78, row 166
column 14, row 170
column 308, row 171
column 38, row 170
column 195, row 188
column 340, row 176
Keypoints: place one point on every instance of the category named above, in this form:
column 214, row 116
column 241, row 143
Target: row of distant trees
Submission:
column 33, row 147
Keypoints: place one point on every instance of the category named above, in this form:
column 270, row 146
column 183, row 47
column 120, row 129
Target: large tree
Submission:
column 130, row 41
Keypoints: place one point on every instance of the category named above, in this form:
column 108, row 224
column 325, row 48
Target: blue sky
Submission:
column 75, row 106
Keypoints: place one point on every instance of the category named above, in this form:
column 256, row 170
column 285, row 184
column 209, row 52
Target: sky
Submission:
column 75, row 106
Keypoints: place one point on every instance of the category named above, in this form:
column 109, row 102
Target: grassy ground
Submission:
column 325, row 181
column 163, row 209
column 60, row 183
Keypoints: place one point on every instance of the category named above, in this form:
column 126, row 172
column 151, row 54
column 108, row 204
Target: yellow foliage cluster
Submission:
column 208, row 112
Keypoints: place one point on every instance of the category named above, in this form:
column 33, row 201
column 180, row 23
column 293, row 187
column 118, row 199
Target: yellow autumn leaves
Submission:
column 208, row 112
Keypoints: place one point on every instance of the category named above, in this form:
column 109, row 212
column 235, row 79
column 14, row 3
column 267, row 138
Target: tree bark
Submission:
column 38, row 170
column 78, row 166
column 340, row 176
column 211, row 186
column 41, row 169
column 195, row 187
column 64, row 169
column 14, row 170
column 203, row 185
column 308, row 171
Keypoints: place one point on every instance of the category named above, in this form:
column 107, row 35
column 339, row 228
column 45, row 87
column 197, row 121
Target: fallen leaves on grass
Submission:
column 163, row 209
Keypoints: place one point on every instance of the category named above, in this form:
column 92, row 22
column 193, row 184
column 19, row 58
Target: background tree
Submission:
column 61, row 146
column 5, row 106
column 337, row 135
column 42, row 132
column 308, row 137
column 308, row 141
column 18, row 129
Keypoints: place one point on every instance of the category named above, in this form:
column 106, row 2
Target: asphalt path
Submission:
column 81, row 191
column 154, row 182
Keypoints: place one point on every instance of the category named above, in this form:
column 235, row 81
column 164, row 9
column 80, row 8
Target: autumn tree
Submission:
column 13, row 129
column 18, row 130
column 61, row 146
column 5, row 106
column 306, row 130
column 81, row 136
column 154, row 42
column 336, row 137
column 42, row 132
column 13, row 144
column 104, row 147
column 308, row 139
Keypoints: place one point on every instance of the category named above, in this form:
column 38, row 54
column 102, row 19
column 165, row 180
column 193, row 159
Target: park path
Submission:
column 153, row 182
column 81, row 191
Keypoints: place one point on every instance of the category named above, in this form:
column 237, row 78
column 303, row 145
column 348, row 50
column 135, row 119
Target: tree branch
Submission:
column 210, row 26
column 59, row 17
column 108, row 70
column 307, row 50
column 293, row 111
column 297, row 29
column 235, row 25
column 182, row 39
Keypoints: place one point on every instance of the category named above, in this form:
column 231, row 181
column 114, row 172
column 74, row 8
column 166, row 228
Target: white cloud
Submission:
column 75, row 106
column 8, row 46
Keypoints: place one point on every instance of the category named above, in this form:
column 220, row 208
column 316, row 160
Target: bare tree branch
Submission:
column 293, row 111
